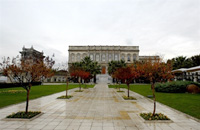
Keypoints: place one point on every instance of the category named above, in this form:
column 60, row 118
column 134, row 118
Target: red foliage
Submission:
column 156, row 72
column 126, row 73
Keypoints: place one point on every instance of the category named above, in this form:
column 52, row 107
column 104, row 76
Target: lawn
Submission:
column 185, row 102
column 36, row 92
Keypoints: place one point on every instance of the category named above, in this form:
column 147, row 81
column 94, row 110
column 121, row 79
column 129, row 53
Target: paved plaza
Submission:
column 98, row 108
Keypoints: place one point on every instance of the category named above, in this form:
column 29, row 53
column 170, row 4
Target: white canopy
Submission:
column 192, row 69
column 181, row 70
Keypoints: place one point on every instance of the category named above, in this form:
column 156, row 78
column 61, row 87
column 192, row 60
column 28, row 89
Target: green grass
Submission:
column 36, row 92
column 185, row 102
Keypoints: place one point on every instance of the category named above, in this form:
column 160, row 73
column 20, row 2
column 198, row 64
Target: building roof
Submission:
column 192, row 69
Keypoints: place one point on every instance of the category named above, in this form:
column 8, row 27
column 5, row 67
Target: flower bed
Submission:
column 129, row 98
column 23, row 115
column 120, row 91
column 64, row 97
column 157, row 116
column 78, row 91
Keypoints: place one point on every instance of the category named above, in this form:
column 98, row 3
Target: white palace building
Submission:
column 105, row 54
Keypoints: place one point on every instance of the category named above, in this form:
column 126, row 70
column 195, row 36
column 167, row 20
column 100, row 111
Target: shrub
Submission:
column 129, row 98
column 21, row 114
column 157, row 116
column 174, row 87
column 64, row 97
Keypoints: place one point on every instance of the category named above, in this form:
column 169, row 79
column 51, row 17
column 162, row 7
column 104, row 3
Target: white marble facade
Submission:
column 104, row 54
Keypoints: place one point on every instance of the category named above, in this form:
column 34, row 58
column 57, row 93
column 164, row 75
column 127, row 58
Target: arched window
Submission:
column 116, row 57
column 78, row 57
column 84, row 55
column 128, row 57
column 103, row 57
column 110, row 57
column 123, row 57
column 91, row 56
column 134, row 57
column 97, row 57
column 73, row 58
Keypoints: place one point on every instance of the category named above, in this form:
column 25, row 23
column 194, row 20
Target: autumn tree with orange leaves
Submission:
column 127, row 74
column 28, row 71
column 79, row 74
column 85, row 76
column 156, row 71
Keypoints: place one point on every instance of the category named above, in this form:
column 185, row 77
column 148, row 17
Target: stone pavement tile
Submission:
column 49, row 127
column 141, row 126
column 153, row 126
column 165, row 126
column 72, row 127
column 133, row 128
column 175, row 126
column 75, row 124
column 9, row 129
column 26, row 126
column 38, row 126
column 96, row 128
column 97, row 124
column 84, row 128
column 54, row 123
column 61, row 127
column 105, row 124
column 188, row 126
column 14, row 126
column 120, row 128
column 88, row 124
column 108, row 128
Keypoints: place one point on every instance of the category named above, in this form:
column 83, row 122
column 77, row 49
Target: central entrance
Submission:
column 103, row 70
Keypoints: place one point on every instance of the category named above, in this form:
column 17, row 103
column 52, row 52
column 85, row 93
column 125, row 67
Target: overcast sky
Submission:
column 169, row 28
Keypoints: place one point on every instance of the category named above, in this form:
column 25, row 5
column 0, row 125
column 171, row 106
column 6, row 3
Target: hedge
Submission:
column 13, row 85
column 174, row 86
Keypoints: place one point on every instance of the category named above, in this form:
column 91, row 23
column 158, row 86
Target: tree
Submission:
column 127, row 74
column 90, row 66
column 195, row 60
column 114, row 65
column 28, row 71
column 84, row 75
column 87, row 65
column 157, row 72
column 76, row 73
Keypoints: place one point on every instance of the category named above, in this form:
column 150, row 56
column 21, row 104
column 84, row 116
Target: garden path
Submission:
column 98, row 108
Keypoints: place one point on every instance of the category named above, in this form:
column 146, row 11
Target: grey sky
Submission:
column 166, row 27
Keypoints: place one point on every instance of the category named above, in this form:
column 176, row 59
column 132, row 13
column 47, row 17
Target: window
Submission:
column 110, row 57
column 91, row 56
column 134, row 57
column 78, row 57
column 116, row 57
column 97, row 57
column 73, row 57
column 103, row 57
column 84, row 55
column 128, row 58
column 123, row 57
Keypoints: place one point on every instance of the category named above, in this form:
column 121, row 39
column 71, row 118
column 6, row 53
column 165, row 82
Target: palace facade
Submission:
column 105, row 54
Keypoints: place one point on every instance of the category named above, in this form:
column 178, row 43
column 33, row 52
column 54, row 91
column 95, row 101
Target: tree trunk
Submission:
column 154, row 98
column 95, row 78
column 79, row 80
column 119, row 87
column 67, row 87
column 27, row 100
column 128, row 89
